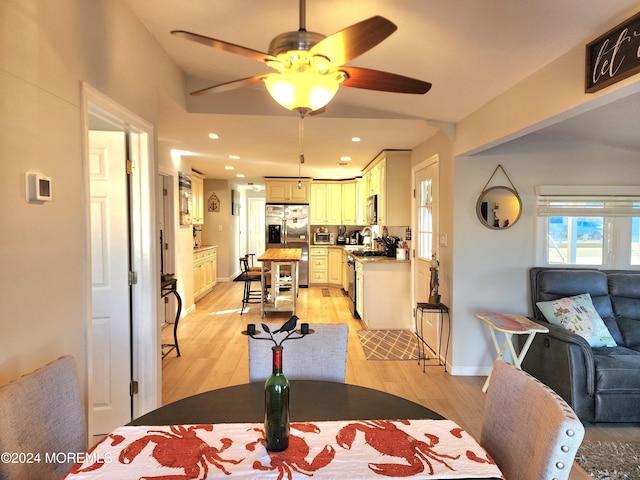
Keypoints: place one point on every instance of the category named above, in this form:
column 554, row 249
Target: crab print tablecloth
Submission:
column 338, row 449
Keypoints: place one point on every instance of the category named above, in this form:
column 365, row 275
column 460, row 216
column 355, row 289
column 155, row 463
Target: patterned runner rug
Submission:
column 389, row 344
column 610, row 460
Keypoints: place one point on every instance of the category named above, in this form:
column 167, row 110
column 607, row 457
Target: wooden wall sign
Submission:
column 614, row 56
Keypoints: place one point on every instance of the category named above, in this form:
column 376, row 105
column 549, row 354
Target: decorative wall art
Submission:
column 185, row 200
column 213, row 203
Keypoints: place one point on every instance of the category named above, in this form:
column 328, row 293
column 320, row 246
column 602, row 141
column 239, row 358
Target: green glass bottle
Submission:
column 276, row 406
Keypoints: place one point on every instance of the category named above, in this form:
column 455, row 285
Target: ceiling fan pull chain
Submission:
column 301, row 143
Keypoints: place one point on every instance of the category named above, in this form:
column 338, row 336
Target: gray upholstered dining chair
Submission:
column 319, row 356
column 528, row 429
column 42, row 412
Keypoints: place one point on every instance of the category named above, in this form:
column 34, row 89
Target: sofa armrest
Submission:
column 563, row 361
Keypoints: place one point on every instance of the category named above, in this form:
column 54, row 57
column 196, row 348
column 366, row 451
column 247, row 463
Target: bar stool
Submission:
column 250, row 262
column 250, row 295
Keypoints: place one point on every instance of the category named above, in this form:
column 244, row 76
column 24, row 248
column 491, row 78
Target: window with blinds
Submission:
column 590, row 225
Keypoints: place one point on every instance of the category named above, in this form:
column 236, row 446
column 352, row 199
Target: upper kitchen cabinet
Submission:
column 326, row 203
column 350, row 203
column 389, row 177
column 285, row 190
column 197, row 198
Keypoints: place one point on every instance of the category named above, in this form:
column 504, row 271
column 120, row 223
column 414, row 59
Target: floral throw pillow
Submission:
column 578, row 315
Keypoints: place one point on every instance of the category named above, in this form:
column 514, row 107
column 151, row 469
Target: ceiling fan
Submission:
column 310, row 66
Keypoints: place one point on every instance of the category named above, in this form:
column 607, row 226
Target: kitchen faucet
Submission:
column 364, row 236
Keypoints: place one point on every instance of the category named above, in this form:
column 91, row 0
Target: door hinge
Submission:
column 133, row 278
column 133, row 388
column 414, row 193
column 129, row 167
column 165, row 192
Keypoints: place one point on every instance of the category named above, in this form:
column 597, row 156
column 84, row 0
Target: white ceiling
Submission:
column 470, row 50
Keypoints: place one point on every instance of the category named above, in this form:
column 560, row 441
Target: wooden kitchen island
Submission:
column 279, row 279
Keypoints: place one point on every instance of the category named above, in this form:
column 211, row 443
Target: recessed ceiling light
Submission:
column 345, row 159
column 355, row 139
column 240, row 175
column 234, row 157
column 214, row 136
column 229, row 167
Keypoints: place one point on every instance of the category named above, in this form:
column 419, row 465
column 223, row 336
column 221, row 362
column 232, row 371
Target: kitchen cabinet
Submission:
column 349, row 203
column 389, row 177
column 326, row 203
column 318, row 265
column 383, row 297
column 325, row 265
column 334, row 270
column 197, row 198
column 204, row 271
column 286, row 190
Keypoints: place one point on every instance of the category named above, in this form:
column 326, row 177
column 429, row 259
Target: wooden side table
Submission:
column 510, row 324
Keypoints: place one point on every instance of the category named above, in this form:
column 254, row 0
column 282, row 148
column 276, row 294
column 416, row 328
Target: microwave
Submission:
column 324, row 238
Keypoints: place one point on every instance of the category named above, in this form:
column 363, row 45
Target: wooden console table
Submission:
column 510, row 324
column 167, row 287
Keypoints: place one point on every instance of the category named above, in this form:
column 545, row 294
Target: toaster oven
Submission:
column 323, row 238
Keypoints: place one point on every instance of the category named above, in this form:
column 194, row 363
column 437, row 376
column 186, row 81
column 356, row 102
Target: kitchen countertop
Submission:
column 365, row 260
column 281, row 255
column 203, row 247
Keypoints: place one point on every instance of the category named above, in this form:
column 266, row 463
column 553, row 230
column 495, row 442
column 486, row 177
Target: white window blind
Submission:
column 574, row 200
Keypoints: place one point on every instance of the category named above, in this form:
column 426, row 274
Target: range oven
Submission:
column 351, row 290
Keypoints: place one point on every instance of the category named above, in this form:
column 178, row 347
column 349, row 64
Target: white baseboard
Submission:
column 470, row 371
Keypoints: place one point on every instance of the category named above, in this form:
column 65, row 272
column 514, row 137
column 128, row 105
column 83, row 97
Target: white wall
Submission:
column 46, row 49
column 223, row 229
column 491, row 266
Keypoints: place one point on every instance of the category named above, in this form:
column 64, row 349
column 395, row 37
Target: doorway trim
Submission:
column 145, row 335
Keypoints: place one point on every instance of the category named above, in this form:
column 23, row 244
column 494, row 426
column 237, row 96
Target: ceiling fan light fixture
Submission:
column 306, row 91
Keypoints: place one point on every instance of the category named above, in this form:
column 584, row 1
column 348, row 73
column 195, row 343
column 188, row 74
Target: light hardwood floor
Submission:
column 214, row 355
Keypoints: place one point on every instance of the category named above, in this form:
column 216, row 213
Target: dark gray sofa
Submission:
column 600, row 384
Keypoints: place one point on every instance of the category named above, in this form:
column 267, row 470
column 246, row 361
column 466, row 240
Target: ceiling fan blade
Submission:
column 224, row 87
column 353, row 41
column 383, row 81
column 225, row 46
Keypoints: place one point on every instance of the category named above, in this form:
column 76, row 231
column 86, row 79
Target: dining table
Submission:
column 337, row 430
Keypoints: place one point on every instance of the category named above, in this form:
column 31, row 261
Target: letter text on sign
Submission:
column 613, row 56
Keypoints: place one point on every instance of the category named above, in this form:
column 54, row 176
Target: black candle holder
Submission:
column 289, row 326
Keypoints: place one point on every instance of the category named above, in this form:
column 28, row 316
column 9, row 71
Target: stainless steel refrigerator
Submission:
column 287, row 226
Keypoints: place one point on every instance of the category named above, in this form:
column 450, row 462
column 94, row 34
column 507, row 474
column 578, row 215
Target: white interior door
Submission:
column 256, row 228
column 425, row 240
column 111, row 332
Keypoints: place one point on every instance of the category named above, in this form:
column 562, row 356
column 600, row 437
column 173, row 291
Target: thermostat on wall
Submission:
column 38, row 188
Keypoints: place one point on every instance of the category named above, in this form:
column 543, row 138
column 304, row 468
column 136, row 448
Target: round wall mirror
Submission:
column 499, row 207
